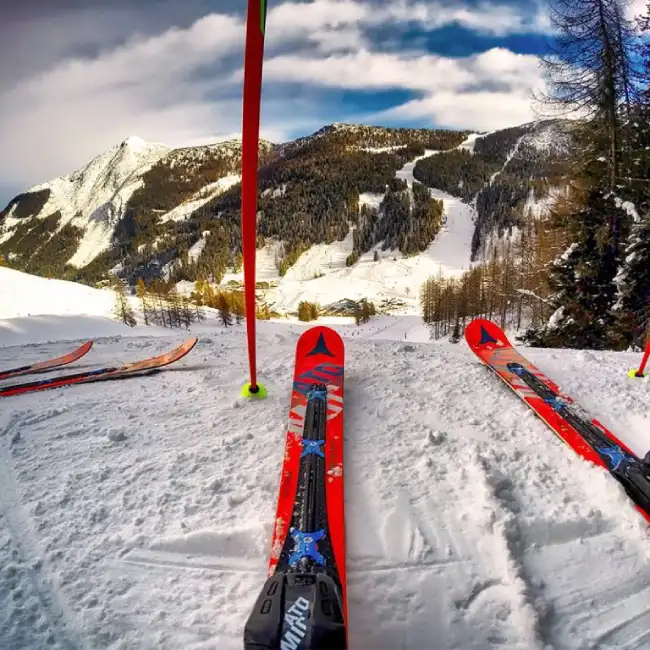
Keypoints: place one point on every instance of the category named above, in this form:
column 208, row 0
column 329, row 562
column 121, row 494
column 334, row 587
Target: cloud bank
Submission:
column 181, row 83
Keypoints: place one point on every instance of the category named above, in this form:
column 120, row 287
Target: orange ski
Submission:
column 50, row 364
column 101, row 374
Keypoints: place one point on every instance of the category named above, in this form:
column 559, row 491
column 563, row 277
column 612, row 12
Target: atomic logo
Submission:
column 486, row 337
column 320, row 347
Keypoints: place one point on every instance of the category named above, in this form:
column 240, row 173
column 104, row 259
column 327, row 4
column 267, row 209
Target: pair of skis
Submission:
column 302, row 605
column 98, row 374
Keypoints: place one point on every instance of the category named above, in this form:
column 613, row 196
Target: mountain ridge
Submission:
column 138, row 208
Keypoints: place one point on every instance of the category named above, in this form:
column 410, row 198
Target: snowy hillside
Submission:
column 138, row 207
column 22, row 294
column 35, row 309
column 94, row 197
column 321, row 274
column 138, row 514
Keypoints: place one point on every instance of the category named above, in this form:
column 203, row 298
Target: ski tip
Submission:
column 635, row 374
column 248, row 392
column 481, row 333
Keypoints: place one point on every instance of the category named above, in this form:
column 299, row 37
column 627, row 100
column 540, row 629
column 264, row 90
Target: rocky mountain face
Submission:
column 145, row 210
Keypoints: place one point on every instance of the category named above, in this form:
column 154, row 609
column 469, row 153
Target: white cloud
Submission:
column 449, row 86
column 486, row 18
column 369, row 70
column 636, row 8
column 291, row 19
column 481, row 110
column 178, row 87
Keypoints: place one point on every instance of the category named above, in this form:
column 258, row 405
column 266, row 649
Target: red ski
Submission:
column 101, row 374
column 303, row 602
column 583, row 433
column 49, row 364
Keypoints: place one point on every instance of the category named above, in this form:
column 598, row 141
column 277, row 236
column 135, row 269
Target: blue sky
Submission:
column 80, row 76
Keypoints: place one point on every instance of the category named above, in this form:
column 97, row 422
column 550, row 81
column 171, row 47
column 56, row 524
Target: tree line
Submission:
column 509, row 286
column 578, row 275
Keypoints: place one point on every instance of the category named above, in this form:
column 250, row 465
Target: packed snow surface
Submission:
column 138, row 514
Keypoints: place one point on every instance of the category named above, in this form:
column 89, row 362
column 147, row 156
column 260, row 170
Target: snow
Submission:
column 195, row 251
column 469, row 142
column 555, row 319
column 207, row 193
column 629, row 208
column 22, row 294
column 94, row 197
column 395, row 147
column 371, row 199
column 138, row 514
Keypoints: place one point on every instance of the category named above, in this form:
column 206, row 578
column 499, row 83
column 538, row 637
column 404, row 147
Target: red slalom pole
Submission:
column 254, row 57
column 644, row 361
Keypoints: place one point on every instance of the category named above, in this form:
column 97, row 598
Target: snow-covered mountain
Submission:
column 92, row 198
column 145, row 210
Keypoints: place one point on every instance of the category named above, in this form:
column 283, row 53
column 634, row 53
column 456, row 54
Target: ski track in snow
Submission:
column 138, row 513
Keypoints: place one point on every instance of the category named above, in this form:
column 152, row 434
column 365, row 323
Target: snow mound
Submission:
column 22, row 294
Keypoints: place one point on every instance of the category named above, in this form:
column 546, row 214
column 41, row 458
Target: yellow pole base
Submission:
column 260, row 393
column 634, row 373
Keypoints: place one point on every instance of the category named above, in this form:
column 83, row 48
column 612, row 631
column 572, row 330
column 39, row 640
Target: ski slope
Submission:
column 138, row 514
column 321, row 275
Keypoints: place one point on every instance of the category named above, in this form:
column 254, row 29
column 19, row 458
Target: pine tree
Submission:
column 238, row 307
column 357, row 313
column 199, row 292
column 142, row 294
column 427, row 300
column 263, row 312
column 367, row 310
column 455, row 337
column 590, row 72
column 632, row 308
column 123, row 309
column 174, row 308
column 582, row 278
column 304, row 311
column 187, row 314
column 224, row 310
column 199, row 314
